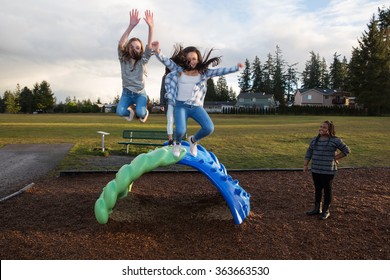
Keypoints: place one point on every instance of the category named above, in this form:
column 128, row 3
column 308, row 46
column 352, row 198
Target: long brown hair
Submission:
column 128, row 53
column 180, row 57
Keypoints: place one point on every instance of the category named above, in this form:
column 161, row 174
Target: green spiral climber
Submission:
column 127, row 174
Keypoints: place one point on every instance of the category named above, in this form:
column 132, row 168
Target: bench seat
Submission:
column 140, row 137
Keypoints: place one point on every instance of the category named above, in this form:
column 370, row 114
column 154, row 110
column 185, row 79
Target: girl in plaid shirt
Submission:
column 186, row 87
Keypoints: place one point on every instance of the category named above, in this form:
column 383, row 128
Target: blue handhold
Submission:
column 235, row 196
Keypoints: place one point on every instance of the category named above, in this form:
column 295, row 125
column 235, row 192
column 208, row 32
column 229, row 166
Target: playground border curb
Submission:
column 18, row 192
column 64, row 173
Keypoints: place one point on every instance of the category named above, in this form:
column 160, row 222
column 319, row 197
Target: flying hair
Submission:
column 180, row 58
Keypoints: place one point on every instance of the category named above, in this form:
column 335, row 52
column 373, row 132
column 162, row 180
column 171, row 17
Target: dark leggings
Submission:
column 323, row 182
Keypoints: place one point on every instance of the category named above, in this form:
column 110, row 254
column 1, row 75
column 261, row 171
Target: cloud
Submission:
column 72, row 44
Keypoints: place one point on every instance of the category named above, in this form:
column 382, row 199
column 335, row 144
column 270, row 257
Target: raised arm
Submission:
column 172, row 66
column 223, row 71
column 134, row 20
column 150, row 22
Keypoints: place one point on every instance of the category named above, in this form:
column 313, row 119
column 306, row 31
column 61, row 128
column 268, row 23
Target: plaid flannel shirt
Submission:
column 200, row 88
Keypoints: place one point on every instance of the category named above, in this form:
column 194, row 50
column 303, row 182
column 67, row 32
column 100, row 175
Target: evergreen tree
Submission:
column 257, row 76
column 2, row 105
column 370, row 65
column 384, row 21
column 232, row 94
column 291, row 79
column 324, row 74
column 26, row 101
column 222, row 89
column 279, row 83
column 268, row 74
column 311, row 76
column 346, row 86
column 244, row 81
column 338, row 75
column 48, row 99
column 43, row 97
column 211, row 94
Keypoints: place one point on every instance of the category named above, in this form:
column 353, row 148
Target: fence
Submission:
column 299, row 110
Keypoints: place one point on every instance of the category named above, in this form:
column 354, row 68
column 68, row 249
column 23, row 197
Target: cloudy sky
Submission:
column 73, row 44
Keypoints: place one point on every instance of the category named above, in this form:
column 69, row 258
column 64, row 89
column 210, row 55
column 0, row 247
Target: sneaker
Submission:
column 131, row 115
column 193, row 146
column 176, row 150
column 170, row 142
column 143, row 120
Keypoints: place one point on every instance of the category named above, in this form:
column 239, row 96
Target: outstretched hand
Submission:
column 149, row 18
column 156, row 46
column 134, row 19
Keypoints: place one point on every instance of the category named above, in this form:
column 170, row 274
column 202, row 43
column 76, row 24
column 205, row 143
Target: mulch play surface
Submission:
column 176, row 215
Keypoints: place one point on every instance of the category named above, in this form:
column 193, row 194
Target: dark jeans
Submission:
column 323, row 182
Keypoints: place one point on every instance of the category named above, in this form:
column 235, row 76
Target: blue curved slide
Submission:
column 207, row 163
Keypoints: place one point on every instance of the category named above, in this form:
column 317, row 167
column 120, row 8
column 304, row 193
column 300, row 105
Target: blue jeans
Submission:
column 197, row 113
column 130, row 98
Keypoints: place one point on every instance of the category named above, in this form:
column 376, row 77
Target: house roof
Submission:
column 324, row 91
column 257, row 95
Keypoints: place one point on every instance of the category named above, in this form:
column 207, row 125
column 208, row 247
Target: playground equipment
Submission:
column 205, row 162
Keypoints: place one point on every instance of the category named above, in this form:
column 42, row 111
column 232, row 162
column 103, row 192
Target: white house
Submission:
column 256, row 100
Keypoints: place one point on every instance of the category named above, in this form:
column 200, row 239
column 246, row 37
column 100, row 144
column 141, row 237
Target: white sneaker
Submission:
column 176, row 150
column 193, row 146
column 131, row 115
column 145, row 118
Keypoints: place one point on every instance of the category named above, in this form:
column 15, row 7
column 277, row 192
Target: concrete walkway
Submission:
column 21, row 164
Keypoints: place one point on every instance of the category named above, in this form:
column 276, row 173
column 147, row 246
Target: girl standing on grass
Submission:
column 322, row 152
column 133, row 59
column 186, row 87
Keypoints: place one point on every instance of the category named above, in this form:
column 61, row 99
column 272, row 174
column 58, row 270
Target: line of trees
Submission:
column 275, row 77
column 40, row 98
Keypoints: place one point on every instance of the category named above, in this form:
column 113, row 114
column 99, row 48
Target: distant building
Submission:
column 256, row 100
column 108, row 108
column 322, row 97
column 218, row 106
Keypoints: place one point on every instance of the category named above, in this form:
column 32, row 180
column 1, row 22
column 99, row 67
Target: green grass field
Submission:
column 239, row 141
